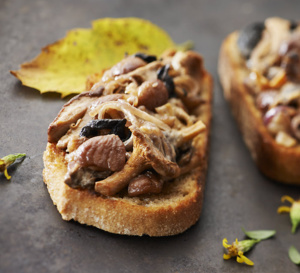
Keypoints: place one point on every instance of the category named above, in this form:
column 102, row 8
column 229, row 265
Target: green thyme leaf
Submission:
column 259, row 234
column 294, row 255
column 295, row 215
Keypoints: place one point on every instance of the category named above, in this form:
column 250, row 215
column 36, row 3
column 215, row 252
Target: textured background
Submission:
column 34, row 238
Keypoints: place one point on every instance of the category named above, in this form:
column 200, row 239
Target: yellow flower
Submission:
column 294, row 211
column 237, row 249
column 6, row 161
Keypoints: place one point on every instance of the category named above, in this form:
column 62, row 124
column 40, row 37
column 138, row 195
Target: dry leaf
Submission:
column 64, row 65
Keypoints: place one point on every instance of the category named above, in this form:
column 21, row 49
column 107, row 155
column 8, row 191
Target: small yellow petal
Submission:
column 225, row 243
column 287, row 198
column 7, row 175
column 243, row 259
column 283, row 209
column 226, row 256
column 248, row 261
column 239, row 259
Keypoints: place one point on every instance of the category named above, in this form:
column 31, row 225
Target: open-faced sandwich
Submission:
column 130, row 155
column 259, row 68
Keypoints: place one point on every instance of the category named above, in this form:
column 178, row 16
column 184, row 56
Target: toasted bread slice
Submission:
column 176, row 208
column 274, row 160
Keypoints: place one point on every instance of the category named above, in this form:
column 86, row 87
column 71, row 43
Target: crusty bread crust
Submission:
column 275, row 161
column 171, row 212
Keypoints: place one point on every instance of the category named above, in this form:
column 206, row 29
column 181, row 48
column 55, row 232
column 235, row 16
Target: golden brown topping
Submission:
column 157, row 126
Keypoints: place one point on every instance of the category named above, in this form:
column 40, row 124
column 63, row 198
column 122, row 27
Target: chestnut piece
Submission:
column 145, row 184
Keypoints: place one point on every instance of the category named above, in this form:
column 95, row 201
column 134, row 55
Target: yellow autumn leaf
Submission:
column 64, row 65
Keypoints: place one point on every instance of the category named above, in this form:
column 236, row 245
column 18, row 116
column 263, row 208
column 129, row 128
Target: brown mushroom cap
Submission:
column 152, row 94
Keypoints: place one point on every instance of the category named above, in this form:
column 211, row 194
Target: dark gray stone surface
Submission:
column 34, row 238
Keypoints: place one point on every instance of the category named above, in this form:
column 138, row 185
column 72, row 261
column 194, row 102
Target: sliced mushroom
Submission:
column 266, row 52
column 188, row 63
column 249, row 38
column 71, row 139
column 150, row 150
column 69, row 114
column 73, row 110
column 125, row 66
column 79, row 177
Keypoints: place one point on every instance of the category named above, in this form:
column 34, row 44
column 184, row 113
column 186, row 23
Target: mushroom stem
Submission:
column 119, row 180
column 190, row 132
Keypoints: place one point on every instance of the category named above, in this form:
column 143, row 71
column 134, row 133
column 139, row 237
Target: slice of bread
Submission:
column 275, row 161
column 170, row 212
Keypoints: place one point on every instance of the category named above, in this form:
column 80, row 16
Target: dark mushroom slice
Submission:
column 145, row 57
column 293, row 25
column 115, row 126
column 249, row 38
column 163, row 75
